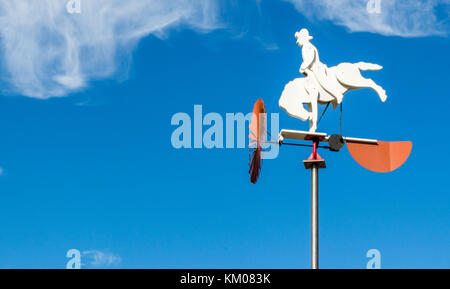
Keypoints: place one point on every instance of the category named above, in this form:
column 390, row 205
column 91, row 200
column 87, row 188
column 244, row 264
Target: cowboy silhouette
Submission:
column 312, row 66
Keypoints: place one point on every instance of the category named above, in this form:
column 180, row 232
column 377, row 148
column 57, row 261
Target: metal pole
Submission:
column 315, row 162
column 315, row 216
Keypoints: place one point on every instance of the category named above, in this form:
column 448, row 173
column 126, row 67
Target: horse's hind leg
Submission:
column 367, row 82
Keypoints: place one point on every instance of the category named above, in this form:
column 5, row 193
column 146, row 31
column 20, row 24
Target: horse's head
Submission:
column 302, row 37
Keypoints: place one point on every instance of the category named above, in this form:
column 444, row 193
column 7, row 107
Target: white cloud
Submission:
column 406, row 18
column 98, row 258
column 48, row 52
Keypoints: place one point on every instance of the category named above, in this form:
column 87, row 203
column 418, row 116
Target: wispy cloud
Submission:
column 98, row 258
column 48, row 52
column 406, row 18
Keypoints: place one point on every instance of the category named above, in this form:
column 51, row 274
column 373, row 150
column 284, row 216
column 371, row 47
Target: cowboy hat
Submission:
column 302, row 34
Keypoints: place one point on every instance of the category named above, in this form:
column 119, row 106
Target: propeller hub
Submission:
column 336, row 142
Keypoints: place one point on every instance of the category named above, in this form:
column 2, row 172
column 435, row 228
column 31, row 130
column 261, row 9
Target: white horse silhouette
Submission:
column 323, row 85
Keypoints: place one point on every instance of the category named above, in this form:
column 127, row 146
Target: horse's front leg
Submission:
column 314, row 94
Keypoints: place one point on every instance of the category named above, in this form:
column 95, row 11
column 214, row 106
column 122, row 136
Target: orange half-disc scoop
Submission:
column 383, row 157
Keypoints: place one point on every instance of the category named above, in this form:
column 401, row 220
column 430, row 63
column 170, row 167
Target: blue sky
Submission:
column 87, row 161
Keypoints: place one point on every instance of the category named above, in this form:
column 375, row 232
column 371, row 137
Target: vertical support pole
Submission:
column 315, row 216
column 315, row 162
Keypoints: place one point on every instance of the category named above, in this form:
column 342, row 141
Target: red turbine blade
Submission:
column 256, row 139
column 258, row 123
column 255, row 165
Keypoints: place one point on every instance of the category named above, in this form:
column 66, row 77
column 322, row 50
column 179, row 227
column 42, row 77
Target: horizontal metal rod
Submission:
column 305, row 135
column 359, row 140
column 303, row 145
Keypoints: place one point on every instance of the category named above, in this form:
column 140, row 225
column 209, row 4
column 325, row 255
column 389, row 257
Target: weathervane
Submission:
column 323, row 85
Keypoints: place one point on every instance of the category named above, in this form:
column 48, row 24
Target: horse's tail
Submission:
column 368, row 66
